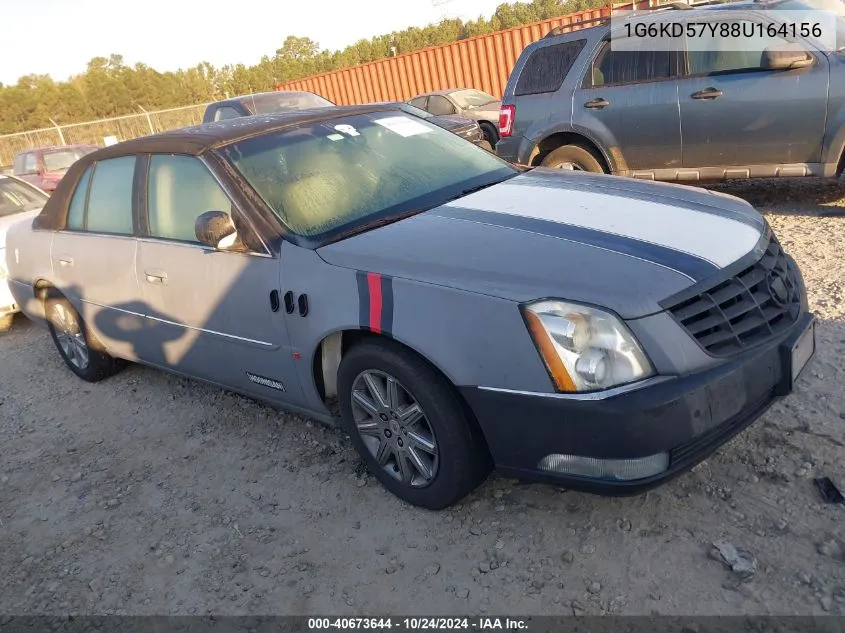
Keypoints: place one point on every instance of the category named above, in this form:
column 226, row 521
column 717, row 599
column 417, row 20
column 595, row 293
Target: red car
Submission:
column 45, row 166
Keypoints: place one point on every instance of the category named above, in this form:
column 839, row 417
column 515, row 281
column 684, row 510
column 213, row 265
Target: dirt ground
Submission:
column 150, row 494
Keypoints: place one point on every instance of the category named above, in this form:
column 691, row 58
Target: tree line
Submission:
column 109, row 87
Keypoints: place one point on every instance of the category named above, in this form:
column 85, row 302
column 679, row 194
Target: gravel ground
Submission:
column 151, row 494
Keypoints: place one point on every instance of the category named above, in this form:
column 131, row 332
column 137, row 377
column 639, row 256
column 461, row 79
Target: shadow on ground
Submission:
column 790, row 196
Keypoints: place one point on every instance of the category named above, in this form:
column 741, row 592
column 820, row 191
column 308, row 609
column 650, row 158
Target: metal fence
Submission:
column 94, row 132
column 483, row 62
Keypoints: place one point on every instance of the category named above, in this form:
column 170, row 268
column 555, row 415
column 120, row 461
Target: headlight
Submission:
column 584, row 348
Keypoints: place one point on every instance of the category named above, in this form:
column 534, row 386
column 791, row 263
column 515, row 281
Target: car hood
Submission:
column 616, row 242
column 8, row 220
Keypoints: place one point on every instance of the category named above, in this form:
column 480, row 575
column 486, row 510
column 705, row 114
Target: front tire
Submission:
column 491, row 134
column 76, row 345
column 409, row 427
column 573, row 157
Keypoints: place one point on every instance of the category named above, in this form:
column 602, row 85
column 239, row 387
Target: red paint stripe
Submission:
column 374, row 283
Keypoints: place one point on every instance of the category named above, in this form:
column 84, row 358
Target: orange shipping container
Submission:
column 483, row 62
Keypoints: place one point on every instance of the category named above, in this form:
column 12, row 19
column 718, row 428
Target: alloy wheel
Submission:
column 70, row 337
column 394, row 428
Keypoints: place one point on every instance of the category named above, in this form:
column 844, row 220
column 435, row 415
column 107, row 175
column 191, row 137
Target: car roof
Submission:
column 197, row 139
column 259, row 96
column 444, row 91
column 664, row 12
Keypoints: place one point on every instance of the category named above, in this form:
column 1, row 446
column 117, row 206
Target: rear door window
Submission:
column 547, row 67
column 419, row 102
column 439, row 105
column 76, row 212
column 30, row 164
column 631, row 60
column 225, row 113
column 110, row 198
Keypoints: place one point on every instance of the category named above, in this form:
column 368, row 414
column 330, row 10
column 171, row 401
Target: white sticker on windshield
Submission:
column 347, row 129
column 403, row 126
column 335, row 137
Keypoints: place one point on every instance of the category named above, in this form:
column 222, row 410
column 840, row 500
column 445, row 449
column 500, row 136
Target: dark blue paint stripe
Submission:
column 387, row 304
column 690, row 265
column 363, row 299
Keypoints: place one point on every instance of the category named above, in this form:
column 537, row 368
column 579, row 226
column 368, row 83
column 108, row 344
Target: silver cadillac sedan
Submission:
column 452, row 312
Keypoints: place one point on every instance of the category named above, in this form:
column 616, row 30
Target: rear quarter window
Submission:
column 547, row 67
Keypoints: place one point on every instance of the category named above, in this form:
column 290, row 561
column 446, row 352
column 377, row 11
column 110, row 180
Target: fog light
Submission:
column 614, row 469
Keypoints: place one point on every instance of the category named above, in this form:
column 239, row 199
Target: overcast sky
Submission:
column 58, row 37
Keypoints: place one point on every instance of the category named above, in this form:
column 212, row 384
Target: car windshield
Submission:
column 468, row 99
column 62, row 159
column 348, row 174
column 284, row 102
column 16, row 197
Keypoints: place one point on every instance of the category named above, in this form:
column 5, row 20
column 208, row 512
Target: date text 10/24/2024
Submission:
column 402, row 624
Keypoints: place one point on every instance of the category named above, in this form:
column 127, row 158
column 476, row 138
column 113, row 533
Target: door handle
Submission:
column 707, row 93
column 155, row 276
column 597, row 104
column 65, row 261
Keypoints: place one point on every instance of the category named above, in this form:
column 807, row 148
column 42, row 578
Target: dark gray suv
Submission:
column 684, row 113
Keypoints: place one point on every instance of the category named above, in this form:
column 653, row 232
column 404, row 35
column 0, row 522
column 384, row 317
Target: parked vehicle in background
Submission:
column 18, row 201
column 263, row 103
column 44, row 167
column 709, row 113
column 365, row 258
column 466, row 102
column 462, row 126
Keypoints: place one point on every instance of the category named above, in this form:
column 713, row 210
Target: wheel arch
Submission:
column 326, row 358
column 558, row 139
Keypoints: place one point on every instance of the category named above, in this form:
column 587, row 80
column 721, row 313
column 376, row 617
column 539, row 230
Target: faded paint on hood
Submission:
column 614, row 242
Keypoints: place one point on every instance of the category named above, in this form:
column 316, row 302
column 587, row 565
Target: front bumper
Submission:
column 687, row 417
column 508, row 148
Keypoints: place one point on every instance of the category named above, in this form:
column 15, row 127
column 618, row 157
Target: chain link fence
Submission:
column 94, row 132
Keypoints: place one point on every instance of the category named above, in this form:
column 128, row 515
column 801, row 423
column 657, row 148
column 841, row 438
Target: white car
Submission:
column 18, row 201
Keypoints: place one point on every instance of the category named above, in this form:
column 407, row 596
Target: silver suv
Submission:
column 689, row 114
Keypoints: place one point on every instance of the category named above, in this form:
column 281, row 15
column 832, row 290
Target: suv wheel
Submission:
column 573, row 157
column 408, row 426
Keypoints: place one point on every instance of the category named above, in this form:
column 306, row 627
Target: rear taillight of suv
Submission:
column 506, row 115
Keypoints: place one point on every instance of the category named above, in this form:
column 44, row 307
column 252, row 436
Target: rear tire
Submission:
column 579, row 158
column 81, row 352
column 418, row 443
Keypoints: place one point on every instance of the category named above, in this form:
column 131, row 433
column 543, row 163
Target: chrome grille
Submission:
column 757, row 304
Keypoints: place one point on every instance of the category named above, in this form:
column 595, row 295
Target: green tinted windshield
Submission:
column 353, row 171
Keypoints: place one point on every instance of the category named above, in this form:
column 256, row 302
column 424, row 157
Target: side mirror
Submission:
column 212, row 227
column 786, row 57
